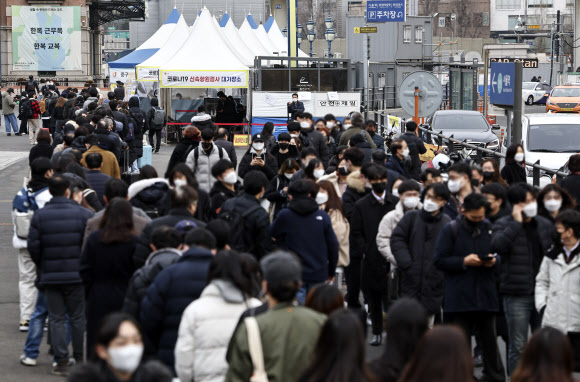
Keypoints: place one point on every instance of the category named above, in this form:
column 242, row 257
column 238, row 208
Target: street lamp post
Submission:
column 299, row 34
column 311, row 36
column 329, row 34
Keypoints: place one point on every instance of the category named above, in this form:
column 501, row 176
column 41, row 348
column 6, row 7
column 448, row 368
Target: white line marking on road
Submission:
column 8, row 158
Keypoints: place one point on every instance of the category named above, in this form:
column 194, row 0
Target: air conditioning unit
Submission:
column 337, row 55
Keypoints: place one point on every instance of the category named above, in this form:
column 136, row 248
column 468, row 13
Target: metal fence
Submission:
column 537, row 169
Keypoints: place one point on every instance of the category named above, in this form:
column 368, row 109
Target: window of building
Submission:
column 419, row 34
column 569, row 3
column 406, row 34
column 540, row 3
column 508, row 4
column 513, row 20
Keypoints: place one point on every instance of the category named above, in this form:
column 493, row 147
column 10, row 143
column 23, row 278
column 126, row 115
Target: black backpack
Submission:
column 238, row 225
column 27, row 109
column 72, row 114
column 139, row 121
column 30, row 86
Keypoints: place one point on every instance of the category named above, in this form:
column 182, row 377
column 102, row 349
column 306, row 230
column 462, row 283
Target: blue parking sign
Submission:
column 385, row 11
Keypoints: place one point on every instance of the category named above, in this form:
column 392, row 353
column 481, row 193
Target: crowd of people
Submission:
column 235, row 270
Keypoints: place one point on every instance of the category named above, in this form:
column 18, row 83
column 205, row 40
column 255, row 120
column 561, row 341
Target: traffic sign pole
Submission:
column 517, row 124
column 416, row 116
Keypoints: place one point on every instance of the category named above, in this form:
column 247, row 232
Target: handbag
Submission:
column 256, row 353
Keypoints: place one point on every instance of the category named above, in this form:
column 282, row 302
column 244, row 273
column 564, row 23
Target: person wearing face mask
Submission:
column 314, row 170
column 330, row 121
column 304, row 229
column 459, row 186
column 338, row 178
column 295, row 131
column 521, row 240
column 268, row 136
column 371, row 128
column 412, row 245
column 258, row 159
column 400, row 159
column 329, row 201
column 202, row 158
column 498, row 206
column 514, row 170
column 464, row 253
column 571, row 183
column 358, row 141
column 552, row 200
column 476, row 176
column 277, row 191
column 119, row 349
column 316, row 139
column 225, row 187
column 330, row 144
column 284, row 149
column 181, row 175
column 366, row 217
column 557, row 291
column 416, row 147
column 355, row 181
column 490, row 172
column 295, row 106
column 358, row 124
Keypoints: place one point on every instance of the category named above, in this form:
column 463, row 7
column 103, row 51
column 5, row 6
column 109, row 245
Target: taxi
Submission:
column 564, row 99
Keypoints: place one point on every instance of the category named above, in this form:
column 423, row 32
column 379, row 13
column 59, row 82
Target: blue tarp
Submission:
column 269, row 23
column 133, row 59
column 224, row 20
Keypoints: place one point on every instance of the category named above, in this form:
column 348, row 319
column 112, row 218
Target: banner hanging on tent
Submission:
column 204, row 79
column 145, row 73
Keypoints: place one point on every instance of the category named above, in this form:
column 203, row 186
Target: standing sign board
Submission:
column 385, row 11
column 502, row 83
column 46, row 38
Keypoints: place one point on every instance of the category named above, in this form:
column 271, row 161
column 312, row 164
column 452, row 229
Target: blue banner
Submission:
column 385, row 11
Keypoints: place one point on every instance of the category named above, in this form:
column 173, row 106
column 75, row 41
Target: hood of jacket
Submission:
column 134, row 101
column 79, row 143
column 4, row 94
column 154, row 185
column 164, row 256
column 226, row 289
column 303, row 206
column 76, row 181
column 37, row 183
column 364, row 145
column 354, row 180
column 200, row 117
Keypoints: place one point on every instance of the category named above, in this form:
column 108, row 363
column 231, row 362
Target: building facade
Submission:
column 458, row 18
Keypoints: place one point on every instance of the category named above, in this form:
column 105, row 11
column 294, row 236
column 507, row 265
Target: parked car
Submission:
column 534, row 92
column 550, row 139
column 464, row 125
column 564, row 99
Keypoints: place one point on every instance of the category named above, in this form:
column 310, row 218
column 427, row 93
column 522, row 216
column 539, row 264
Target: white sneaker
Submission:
column 27, row 361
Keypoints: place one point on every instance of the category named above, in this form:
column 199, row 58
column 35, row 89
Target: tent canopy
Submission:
column 251, row 38
column 149, row 47
column 236, row 44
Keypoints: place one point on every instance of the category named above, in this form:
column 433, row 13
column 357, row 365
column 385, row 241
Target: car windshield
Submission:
column 566, row 92
column 554, row 138
column 459, row 122
column 529, row 85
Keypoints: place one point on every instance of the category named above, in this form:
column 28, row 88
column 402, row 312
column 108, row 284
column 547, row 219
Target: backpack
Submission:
column 119, row 127
column 23, row 207
column 130, row 131
column 196, row 156
column 139, row 121
column 237, row 221
column 159, row 117
column 30, row 86
column 72, row 114
column 27, row 109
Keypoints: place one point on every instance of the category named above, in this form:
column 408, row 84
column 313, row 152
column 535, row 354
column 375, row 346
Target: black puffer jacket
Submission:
column 519, row 266
column 150, row 196
column 55, row 241
column 144, row 276
column 416, row 147
column 275, row 192
column 219, row 194
column 270, row 167
column 136, row 146
column 180, row 152
column 318, row 142
column 413, row 244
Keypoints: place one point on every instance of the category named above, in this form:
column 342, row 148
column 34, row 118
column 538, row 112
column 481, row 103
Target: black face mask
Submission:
column 379, row 188
column 371, row 133
column 472, row 226
column 488, row 175
column 475, row 182
column 283, row 146
column 206, row 145
column 343, row 171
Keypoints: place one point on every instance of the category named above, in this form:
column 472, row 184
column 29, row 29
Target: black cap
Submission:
column 10, row 90
column 119, row 82
column 284, row 137
column 258, row 138
column 281, row 268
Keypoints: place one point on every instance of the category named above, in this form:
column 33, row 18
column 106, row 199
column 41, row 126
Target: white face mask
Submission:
column 395, row 192
column 321, row 198
column 531, row 209
column 294, row 135
column 553, row 205
column 454, row 186
column 305, row 125
column 519, row 157
column 406, row 152
column 126, row 358
column 294, row 99
column 329, row 125
column 258, row 146
column 347, row 126
column 231, row 178
column 318, row 173
column 288, row 176
column 411, row 202
column 179, row 182
column 430, row 206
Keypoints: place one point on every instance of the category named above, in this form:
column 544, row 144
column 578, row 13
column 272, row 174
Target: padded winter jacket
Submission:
column 149, row 195
column 202, row 169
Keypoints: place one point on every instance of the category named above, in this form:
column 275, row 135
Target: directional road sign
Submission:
column 502, row 83
column 365, row 29
column 385, row 11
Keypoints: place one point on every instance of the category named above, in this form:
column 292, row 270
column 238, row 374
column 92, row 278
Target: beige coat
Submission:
column 341, row 230
column 386, row 227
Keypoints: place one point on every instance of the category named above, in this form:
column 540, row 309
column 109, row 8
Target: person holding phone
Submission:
column 464, row 254
column 257, row 158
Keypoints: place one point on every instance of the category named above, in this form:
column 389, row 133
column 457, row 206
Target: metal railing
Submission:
column 537, row 169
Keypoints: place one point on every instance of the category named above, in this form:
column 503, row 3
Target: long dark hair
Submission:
column 325, row 299
column 339, row 355
column 227, row 265
column 268, row 130
column 547, row 357
column 567, row 201
column 117, row 223
column 289, row 164
column 309, row 169
column 183, row 169
column 334, row 202
column 406, row 324
column 511, row 152
column 443, row 355
column 496, row 174
column 109, row 328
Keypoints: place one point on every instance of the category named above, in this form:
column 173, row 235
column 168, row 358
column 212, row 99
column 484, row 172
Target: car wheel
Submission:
column 530, row 100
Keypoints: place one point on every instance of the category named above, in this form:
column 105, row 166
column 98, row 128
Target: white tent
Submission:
column 149, row 69
column 238, row 47
column 277, row 37
column 247, row 34
column 265, row 40
column 231, row 33
column 204, row 61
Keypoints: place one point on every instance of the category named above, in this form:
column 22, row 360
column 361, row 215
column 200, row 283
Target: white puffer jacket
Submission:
column 557, row 289
column 386, row 227
column 204, row 164
column 206, row 327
